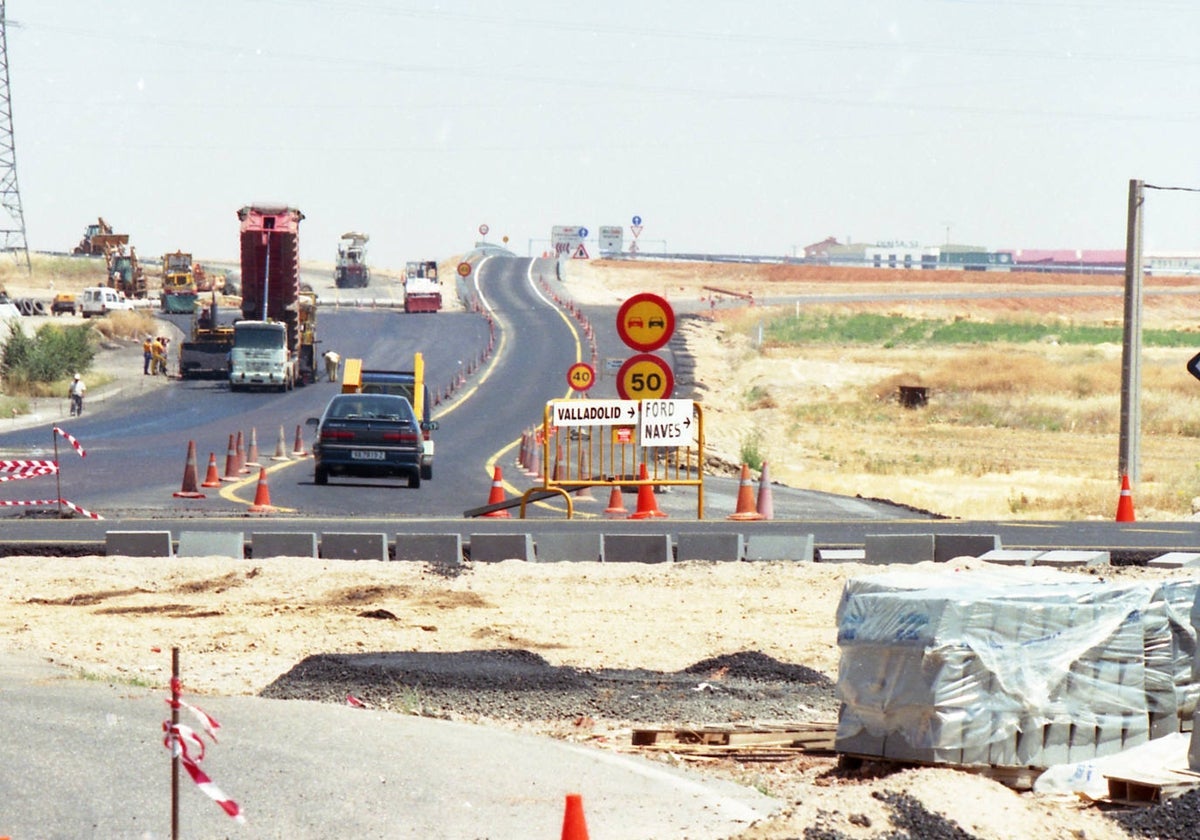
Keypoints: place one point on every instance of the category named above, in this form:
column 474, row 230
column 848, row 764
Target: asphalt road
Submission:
column 85, row 759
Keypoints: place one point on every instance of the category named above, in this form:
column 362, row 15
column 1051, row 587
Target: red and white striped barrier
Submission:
column 16, row 470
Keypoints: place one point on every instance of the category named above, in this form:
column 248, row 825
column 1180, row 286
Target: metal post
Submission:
column 57, row 470
column 174, row 752
column 1129, row 455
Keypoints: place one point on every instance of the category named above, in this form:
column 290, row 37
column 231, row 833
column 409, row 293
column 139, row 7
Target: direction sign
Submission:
column 563, row 238
column 645, row 377
column 668, row 423
column 593, row 412
column 611, row 237
column 583, row 232
column 637, row 220
column 645, row 321
column 464, row 269
column 581, row 376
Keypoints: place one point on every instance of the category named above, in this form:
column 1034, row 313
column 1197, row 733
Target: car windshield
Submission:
column 370, row 407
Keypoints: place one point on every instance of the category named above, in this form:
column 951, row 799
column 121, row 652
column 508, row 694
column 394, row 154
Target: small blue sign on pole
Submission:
column 583, row 232
column 637, row 220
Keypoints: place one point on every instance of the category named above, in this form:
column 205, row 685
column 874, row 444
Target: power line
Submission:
column 13, row 235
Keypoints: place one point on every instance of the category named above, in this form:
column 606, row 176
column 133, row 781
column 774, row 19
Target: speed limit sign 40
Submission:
column 645, row 377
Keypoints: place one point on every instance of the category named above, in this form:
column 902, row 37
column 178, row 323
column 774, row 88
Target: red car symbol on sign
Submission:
column 634, row 322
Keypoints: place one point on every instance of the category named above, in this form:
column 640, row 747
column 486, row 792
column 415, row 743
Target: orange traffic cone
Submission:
column 231, row 463
column 240, row 449
column 766, row 505
column 213, row 479
column 252, row 451
column 262, row 494
column 574, row 825
column 189, row 490
column 745, row 500
column 497, row 495
column 1125, row 502
column 647, row 506
column 584, row 493
column 281, row 448
column 616, row 504
column 298, row 448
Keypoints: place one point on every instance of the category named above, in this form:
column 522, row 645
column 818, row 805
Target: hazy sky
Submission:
column 732, row 127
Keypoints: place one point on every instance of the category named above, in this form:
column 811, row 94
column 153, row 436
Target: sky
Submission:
column 726, row 126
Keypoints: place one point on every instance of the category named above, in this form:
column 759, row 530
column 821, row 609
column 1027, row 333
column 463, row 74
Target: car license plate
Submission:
column 367, row 455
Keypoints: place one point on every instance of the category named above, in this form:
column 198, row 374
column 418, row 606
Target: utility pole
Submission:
column 1129, row 456
column 12, row 228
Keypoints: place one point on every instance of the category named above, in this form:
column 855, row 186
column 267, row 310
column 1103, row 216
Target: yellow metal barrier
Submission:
column 609, row 454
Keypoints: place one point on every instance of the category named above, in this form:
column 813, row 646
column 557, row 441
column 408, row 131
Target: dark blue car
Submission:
column 373, row 435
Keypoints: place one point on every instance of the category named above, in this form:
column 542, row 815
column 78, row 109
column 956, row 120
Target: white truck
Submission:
column 98, row 301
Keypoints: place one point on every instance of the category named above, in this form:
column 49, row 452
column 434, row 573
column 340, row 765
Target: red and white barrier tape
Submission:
column 81, row 511
column 19, row 466
column 16, row 474
column 71, row 439
column 176, row 740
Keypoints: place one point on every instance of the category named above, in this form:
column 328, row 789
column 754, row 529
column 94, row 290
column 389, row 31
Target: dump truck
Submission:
column 422, row 288
column 98, row 238
column 406, row 383
column 351, row 270
column 125, row 273
column 178, row 284
column 275, row 341
column 205, row 355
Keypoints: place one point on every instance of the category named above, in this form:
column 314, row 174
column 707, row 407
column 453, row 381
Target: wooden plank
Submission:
column 818, row 735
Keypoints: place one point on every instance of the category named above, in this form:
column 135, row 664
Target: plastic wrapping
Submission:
column 1006, row 666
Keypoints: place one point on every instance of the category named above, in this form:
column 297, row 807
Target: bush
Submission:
column 53, row 353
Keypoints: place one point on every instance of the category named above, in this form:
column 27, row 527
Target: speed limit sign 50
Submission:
column 645, row 377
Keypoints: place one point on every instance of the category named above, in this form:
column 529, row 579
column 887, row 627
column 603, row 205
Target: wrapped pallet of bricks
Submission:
column 1005, row 666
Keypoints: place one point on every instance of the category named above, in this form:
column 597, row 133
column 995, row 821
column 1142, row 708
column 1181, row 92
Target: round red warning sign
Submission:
column 645, row 322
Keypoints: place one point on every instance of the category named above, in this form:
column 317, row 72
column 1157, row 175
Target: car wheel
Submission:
column 427, row 472
column 321, row 476
column 414, row 480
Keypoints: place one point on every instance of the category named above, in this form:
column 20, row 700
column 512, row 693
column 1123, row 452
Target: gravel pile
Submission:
column 520, row 685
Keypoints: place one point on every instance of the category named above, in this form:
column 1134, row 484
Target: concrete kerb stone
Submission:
column 1175, row 560
column 138, row 544
column 723, row 547
column 346, row 545
column 882, row 549
column 493, row 548
column 559, row 546
column 283, row 544
column 841, row 555
column 211, row 544
column 1011, row 556
column 637, row 548
column 779, row 547
column 1067, row 557
column 444, row 550
column 948, row 546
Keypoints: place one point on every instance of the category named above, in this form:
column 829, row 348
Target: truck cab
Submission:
column 260, row 357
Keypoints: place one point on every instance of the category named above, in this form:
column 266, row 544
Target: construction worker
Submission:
column 158, row 360
column 332, row 360
column 147, row 355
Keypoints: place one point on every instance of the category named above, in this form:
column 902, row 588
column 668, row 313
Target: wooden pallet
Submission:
column 1150, row 788
column 759, row 741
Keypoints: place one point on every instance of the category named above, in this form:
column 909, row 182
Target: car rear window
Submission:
column 368, row 407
